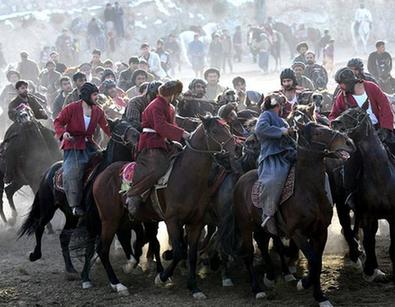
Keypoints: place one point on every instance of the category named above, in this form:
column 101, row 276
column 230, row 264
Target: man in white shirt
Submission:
column 153, row 60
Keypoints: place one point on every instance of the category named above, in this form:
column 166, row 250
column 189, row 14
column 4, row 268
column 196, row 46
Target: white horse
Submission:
column 187, row 36
column 361, row 35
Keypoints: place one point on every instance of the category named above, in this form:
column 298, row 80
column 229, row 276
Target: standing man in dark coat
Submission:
column 125, row 78
column 28, row 69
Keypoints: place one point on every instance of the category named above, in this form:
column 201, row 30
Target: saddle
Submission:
column 288, row 190
column 89, row 172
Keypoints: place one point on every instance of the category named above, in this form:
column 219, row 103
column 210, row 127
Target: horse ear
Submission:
column 204, row 120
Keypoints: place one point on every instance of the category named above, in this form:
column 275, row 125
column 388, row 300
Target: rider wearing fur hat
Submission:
column 159, row 129
column 75, row 126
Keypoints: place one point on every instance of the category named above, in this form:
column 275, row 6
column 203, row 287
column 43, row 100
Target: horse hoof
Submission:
column 267, row 282
column 289, row 277
column 34, row 257
column 299, row 286
column 357, row 265
column 130, row 265
column 292, row 269
column 227, row 282
column 87, row 285
column 199, row 296
column 120, row 289
column 166, row 284
column 377, row 275
column 325, row 304
column 260, row 295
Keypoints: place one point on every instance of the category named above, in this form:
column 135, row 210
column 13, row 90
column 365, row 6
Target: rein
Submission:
column 208, row 150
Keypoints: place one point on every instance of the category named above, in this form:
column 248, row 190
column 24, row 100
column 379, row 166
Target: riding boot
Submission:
column 134, row 203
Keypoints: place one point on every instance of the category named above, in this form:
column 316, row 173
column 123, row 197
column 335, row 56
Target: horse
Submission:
column 288, row 36
column 36, row 149
column 374, row 196
column 304, row 217
column 334, row 167
column 361, row 35
column 183, row 202
column 48, row 199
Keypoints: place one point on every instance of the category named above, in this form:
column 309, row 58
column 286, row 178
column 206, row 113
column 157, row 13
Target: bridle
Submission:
column 359, row 121
column 121, row 139
column 209, row 137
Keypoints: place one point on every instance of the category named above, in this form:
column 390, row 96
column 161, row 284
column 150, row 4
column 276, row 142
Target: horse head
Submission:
column 24, row 114
column 227, row 96
column 219, row 139
column 355, row 122
column 122, row 132
column 301, row 114
column 325, row 142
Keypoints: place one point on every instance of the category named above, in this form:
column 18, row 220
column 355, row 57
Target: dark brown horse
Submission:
column 375, row 198
column 305, row 216
column 334, row 168
column 49, row 199
column 184, row 202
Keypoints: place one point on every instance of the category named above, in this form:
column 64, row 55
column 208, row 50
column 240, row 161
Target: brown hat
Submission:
column 301, row 45
column 170, row 88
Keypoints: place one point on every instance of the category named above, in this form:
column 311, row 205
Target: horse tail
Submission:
column 32, row 221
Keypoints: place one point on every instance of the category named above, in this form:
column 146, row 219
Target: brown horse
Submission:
column 182, row 203
column 305, row 216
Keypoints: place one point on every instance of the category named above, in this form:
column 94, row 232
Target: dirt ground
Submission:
column 43, row 283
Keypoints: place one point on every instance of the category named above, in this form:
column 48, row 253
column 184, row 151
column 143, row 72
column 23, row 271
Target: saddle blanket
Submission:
column 127, row 174
column 288, row 189
column 88, row 173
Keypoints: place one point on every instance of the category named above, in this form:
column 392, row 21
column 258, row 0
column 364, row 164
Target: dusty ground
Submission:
column 43, row 283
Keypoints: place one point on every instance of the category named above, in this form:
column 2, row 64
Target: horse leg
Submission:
column 151, row 230
column 124, row 236
column 292, row 252
column 176, row 234
column 2, row 215
column 247, row 250
column 343, row 214
column 108, row 231
column 279, row 246
column 369, row 243
column 313, row 252
column 193, row 235
column 10, row 191
column 64, row 238
column 89, row 252
column 392, row 247
column 36, row 253
column 262, row 238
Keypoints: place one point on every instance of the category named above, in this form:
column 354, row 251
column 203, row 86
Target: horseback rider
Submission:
column 75, row 126
column 304, row 83
column 136, row 106
column 39, row 112
column 193, row 101
column 380, row 65
column 246, row 98
column 357, row 67
column 315, row 72
column 275, row 159
column 159, row 128
column 362, row 14
column 357, row 92
column 289, row 90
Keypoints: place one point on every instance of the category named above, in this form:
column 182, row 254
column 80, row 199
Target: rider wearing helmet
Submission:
column 136, row 105
column 23, row 98
column 75, row 126
column 365, row 94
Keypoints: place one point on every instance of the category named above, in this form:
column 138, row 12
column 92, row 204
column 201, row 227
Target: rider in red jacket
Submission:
column 159, row 127
column 75, row 126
